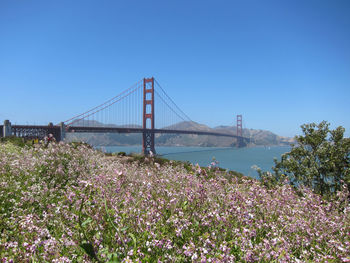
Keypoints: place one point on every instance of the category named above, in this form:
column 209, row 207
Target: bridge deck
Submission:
column 80, row 129
column 41, row 130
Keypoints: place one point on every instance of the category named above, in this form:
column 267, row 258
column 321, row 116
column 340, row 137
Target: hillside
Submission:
column 70, row 203
column 258, row 137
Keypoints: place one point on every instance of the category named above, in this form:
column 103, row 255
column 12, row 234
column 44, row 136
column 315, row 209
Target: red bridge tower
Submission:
column 148, row 117
column 239, row 131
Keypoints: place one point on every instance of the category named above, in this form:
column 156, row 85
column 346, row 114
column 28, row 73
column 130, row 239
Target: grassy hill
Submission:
column 70, row 203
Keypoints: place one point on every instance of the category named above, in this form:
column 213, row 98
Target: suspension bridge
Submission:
column 132, row 111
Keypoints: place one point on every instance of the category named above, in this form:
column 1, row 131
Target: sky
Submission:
column 278, row 63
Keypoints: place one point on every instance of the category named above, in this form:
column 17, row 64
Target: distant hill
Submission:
column 258, row 137
column 93, row 123
column 105, row 139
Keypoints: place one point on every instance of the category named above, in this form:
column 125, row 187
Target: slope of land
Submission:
column 70, row 203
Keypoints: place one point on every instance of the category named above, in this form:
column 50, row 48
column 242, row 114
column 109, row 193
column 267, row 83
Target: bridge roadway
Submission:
column 141, row 130
column 40, row 131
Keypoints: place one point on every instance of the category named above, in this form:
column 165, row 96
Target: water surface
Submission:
column 237, row 159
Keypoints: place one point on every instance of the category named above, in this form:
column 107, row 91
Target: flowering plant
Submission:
column 64, row 203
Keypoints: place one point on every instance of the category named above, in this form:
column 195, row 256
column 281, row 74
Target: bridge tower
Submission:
column 239, row 131
column 148, row 116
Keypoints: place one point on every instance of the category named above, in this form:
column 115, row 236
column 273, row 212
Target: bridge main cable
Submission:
column 184, row 114
column 92, row 111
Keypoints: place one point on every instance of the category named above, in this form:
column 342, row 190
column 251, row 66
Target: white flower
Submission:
column 341, row 248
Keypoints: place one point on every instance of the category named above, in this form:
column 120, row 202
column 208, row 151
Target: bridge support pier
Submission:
column 7, row 130
column 148, row 117
column 240, row 142
column 148, row 143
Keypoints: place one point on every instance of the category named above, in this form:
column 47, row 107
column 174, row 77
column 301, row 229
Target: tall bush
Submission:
column 319, row 160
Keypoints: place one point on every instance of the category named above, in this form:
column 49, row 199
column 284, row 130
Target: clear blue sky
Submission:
column 278, row 63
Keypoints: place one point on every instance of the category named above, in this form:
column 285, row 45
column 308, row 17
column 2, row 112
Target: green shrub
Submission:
column 320, row 160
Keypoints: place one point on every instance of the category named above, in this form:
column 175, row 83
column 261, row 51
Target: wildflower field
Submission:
column 70, row 203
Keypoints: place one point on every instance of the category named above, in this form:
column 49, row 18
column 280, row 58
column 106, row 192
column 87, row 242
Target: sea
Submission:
column 242, row 160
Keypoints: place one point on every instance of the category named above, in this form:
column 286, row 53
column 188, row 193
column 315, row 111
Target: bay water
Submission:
column 237, row 159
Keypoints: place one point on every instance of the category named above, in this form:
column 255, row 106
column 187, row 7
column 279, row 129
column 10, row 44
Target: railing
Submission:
column 36, row 131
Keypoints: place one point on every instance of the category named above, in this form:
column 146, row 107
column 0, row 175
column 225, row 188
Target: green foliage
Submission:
column 21, row 142
column 78, row 144
column 320, row 160
column 160, row 160
column 138, row 157
column 89, row 249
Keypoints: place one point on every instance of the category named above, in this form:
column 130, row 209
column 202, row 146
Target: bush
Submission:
column 320, row 160
column 21, row 142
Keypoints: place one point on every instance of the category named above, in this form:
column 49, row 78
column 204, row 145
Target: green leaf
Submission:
column 133, row 239
column 87, row 221
column 112, row 258
column 89, row 249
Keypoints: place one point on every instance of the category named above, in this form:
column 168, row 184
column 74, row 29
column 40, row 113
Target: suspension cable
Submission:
column 108, row 101
column 188, row 118
column 99, row 110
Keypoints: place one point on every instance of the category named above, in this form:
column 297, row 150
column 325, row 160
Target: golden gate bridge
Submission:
column 143, row 108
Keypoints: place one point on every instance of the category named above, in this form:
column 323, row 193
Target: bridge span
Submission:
column 142, row 130
column 133, row 107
